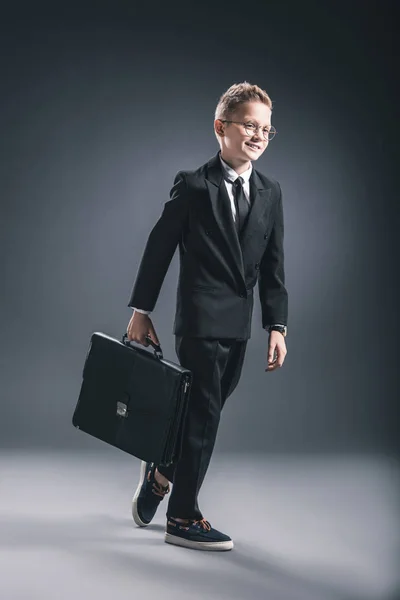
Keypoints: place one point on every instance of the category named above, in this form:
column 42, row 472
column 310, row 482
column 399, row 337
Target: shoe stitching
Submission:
column 202, row 523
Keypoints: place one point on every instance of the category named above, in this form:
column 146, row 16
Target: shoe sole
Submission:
column 135, row 513
column 211, row 546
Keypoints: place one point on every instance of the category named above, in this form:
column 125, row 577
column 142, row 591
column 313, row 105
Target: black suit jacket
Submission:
column 218, row 271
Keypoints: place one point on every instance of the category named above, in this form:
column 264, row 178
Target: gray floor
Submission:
column 304, row 528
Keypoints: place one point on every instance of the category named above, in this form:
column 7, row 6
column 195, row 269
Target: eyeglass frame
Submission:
column 244, row 123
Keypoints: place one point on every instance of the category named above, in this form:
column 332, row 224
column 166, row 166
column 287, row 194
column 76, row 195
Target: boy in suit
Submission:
column 227, row 220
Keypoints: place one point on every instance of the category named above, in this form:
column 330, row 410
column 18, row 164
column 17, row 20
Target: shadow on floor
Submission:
column 245, row 572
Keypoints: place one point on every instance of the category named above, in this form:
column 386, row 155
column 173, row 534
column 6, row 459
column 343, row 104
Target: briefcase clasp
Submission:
column 122, row 409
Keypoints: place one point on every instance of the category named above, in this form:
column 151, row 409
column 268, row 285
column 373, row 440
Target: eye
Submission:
column 250, row 126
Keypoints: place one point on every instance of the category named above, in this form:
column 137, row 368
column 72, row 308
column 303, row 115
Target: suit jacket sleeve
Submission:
column 160, row 247
column 271, row 277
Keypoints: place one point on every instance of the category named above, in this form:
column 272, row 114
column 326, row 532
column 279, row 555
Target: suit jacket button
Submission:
column 265, row 236
column 242, row 295
column 257, row 266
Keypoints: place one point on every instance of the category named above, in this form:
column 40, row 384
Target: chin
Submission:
column 252, row 155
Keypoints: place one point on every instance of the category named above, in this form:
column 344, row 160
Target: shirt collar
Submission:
column 231, row 173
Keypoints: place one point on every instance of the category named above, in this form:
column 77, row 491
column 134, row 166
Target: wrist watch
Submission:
column 281, row 328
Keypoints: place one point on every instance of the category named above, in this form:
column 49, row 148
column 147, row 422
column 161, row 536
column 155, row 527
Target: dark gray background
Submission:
column 101, row 106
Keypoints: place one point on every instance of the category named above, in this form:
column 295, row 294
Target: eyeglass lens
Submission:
column 267, row 134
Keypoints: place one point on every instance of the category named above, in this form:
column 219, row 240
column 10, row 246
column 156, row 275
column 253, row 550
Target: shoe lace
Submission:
column 159, row 490
column 203, row 523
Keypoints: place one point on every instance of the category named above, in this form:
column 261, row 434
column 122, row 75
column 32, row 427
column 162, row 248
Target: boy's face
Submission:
column 235, row 140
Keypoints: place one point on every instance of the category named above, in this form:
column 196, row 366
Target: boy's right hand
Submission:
column 139, row 326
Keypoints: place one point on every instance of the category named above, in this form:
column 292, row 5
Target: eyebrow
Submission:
column 254, row 121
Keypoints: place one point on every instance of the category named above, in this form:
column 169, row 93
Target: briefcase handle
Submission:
column 157, row 349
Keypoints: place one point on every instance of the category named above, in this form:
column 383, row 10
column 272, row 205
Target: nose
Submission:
column 257, row 135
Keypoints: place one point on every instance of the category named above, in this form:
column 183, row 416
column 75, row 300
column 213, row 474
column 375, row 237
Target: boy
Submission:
column 227, row 220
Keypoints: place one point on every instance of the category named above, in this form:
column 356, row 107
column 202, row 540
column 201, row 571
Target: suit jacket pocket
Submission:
column 201, row 287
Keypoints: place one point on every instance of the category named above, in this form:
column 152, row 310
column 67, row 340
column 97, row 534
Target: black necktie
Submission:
column 242, row 205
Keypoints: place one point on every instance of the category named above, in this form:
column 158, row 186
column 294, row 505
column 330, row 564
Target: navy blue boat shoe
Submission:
column 148, row 495
column 198, row 535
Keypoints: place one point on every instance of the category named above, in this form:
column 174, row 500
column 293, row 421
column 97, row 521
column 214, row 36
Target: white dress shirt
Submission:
column 232, row 176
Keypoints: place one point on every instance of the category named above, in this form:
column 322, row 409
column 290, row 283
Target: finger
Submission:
column 154, row 337
column 278, row 360
column 273, row 366
column 271, row 354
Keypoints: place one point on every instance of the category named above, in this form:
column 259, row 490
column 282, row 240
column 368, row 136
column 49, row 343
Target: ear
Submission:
column 219, row 127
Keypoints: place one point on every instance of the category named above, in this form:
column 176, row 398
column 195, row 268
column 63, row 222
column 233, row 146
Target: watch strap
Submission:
column 281, row 328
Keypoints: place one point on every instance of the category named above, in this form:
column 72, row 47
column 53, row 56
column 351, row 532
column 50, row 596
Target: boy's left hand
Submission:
column 276, row 350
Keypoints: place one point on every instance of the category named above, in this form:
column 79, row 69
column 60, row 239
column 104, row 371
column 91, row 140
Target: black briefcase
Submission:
column 133, row 399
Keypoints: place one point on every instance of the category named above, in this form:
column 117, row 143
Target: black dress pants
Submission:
column 216, row 366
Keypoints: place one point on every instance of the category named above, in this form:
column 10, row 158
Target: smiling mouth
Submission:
column 252, row 146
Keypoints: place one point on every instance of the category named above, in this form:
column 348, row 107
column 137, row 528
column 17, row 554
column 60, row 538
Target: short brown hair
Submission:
column 236, row 95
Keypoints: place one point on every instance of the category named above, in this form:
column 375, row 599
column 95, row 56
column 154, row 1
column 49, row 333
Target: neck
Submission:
column 236, row 163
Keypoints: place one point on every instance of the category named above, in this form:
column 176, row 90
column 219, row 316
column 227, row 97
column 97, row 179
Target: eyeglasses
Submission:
column 251, row 128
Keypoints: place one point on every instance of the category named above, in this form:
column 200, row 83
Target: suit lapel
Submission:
column 220, row 204
column 222, row 213
column 259, row 196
